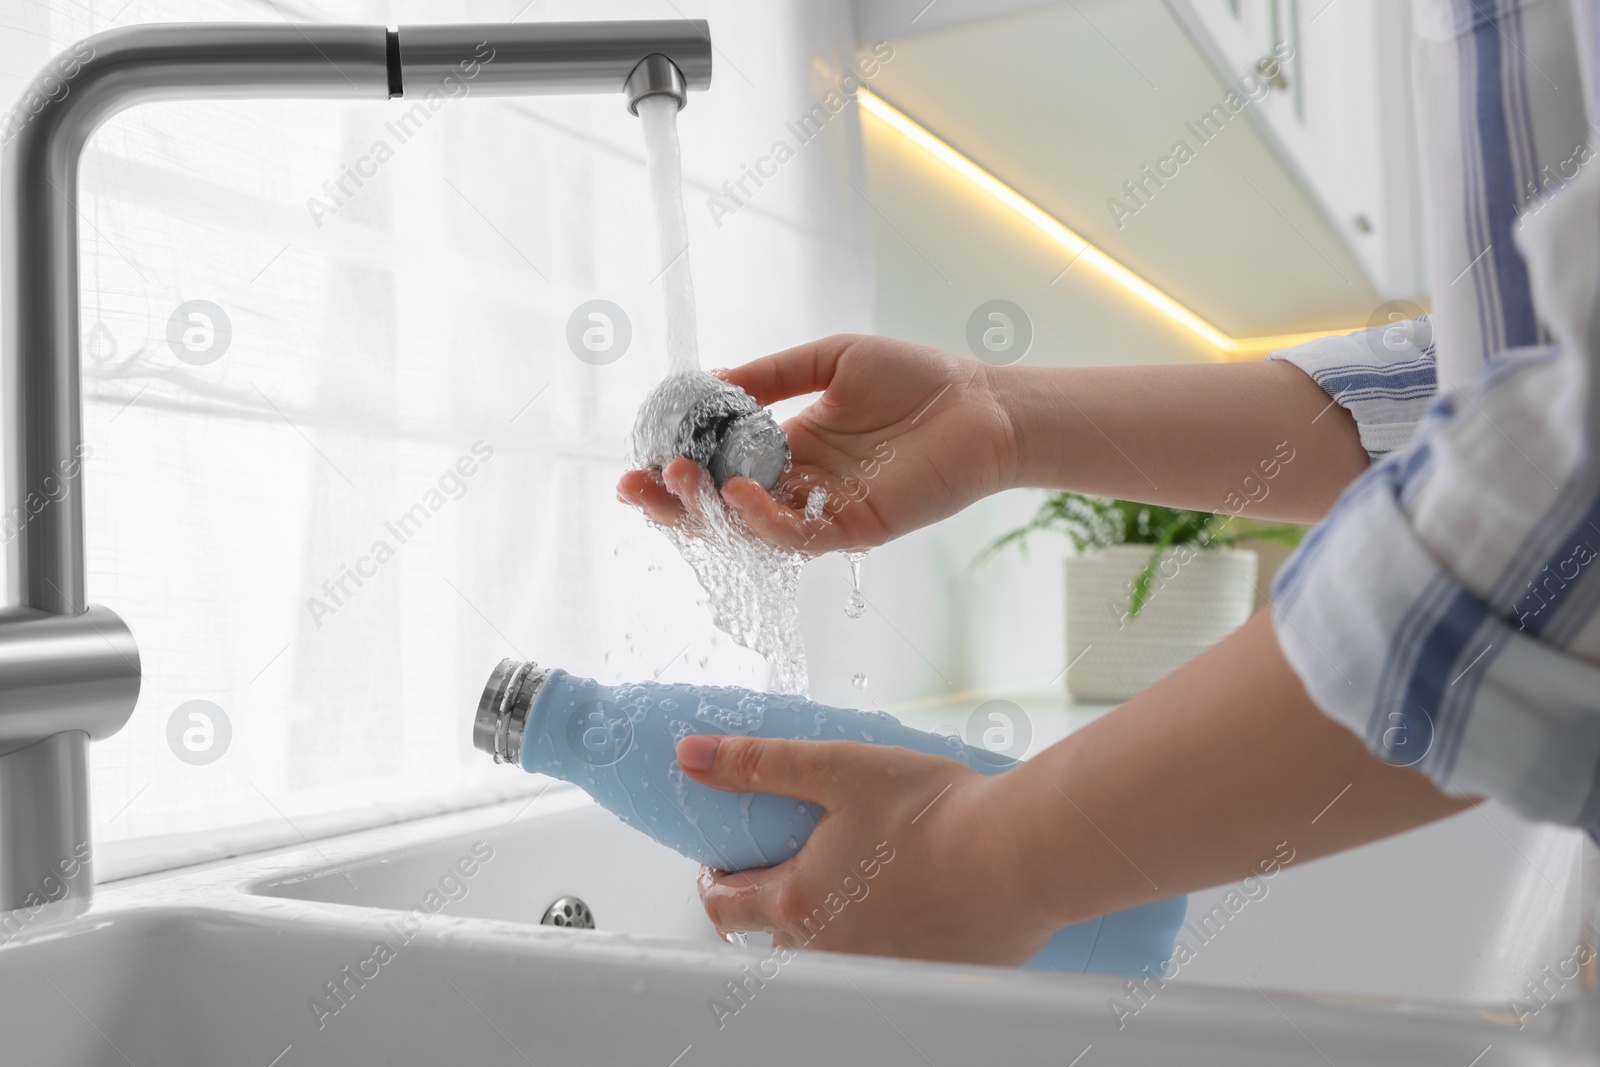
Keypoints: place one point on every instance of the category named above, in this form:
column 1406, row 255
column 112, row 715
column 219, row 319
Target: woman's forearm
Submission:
column 1257, row 439
column 1219, row 768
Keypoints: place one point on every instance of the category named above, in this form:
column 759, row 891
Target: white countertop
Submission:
column 1047, row 717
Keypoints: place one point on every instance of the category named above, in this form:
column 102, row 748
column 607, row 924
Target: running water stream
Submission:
column 665, row 164
column 753, row 586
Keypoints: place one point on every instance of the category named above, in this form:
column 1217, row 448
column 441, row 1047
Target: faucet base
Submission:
column 44, row 822
column 64, row 679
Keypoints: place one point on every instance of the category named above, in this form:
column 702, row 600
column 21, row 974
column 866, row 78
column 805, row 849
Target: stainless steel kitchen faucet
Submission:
column 69, row 670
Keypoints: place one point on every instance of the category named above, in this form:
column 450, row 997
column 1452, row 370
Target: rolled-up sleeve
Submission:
column 1440, row 673
column 1384, row 377
column 1448, row 610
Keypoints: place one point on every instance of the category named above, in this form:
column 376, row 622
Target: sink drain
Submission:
column 569, row 911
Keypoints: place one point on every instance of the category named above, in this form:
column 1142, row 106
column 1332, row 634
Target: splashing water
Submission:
column 752, row 586
column 816, row 500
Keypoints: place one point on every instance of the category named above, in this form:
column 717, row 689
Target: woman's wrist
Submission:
column 1022, row 396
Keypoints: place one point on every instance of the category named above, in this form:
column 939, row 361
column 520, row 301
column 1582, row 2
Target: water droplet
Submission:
column 744, row 719
column 792, row 843
column 745, row 802
column 856, row 606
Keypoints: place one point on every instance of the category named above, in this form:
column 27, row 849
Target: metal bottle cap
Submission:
column 503, row 709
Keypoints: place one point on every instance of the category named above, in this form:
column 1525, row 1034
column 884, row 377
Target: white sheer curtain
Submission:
column 408, row 349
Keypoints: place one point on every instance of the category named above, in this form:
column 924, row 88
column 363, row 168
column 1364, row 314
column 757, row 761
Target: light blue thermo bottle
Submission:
column 618, row 743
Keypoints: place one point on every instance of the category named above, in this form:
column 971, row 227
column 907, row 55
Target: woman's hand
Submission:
column 906, row 848
column 903, row 435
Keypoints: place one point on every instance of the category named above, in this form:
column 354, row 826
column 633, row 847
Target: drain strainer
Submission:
column 569, row 911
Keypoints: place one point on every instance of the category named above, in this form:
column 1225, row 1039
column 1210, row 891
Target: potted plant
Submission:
column 1149, row 587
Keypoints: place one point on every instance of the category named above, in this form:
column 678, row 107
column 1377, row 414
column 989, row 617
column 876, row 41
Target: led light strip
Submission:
column 1081, row 250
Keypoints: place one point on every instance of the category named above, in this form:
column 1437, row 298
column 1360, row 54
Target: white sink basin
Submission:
column 274, row 961
column 572, row 848
column 1462, row 911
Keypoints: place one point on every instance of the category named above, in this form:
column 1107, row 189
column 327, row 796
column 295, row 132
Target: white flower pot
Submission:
column 1196, row 599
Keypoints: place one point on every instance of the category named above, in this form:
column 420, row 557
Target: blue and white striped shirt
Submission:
column 1448, row 610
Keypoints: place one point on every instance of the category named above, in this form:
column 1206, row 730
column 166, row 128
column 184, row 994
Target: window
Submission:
column 342, row 459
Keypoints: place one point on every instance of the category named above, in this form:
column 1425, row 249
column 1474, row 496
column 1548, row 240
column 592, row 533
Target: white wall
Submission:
column 942, row 629
column 880, row 19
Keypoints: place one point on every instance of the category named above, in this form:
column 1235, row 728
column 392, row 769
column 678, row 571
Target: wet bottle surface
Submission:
column 618, row 743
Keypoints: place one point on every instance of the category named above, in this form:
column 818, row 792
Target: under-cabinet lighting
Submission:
column 1080, row 249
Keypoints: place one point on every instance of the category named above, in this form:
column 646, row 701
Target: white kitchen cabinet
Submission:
column 1340, row 113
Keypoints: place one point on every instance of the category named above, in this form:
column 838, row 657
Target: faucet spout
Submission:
column 69, row 672
column 553, row 57
column 656, row 75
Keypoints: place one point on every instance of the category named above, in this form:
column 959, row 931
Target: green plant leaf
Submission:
column 1140, row 594
column 1090, row 522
